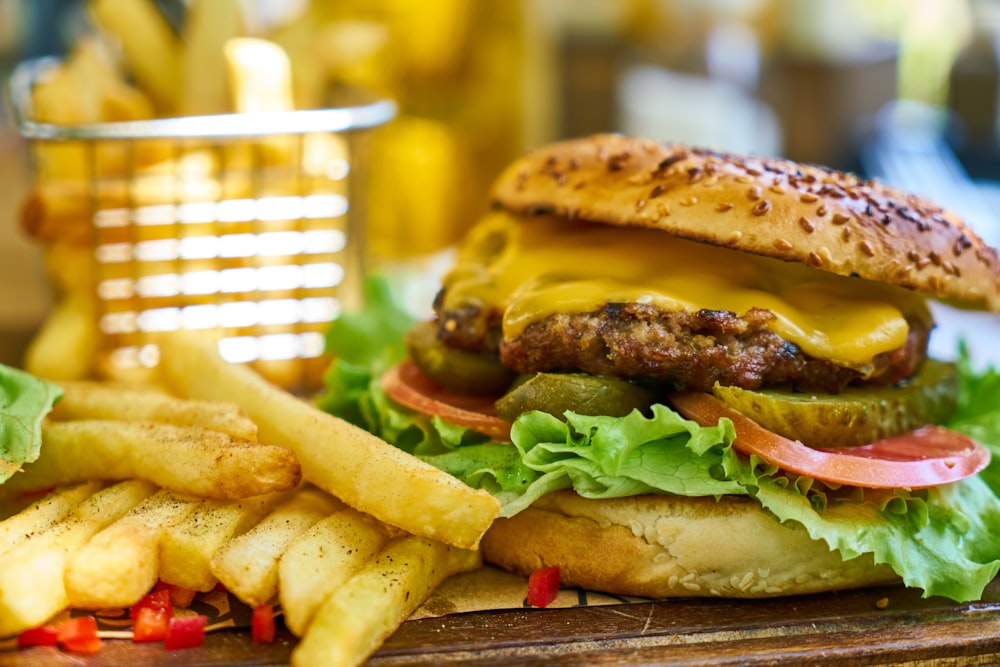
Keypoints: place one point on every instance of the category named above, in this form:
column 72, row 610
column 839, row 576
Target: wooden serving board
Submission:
column 882, row 626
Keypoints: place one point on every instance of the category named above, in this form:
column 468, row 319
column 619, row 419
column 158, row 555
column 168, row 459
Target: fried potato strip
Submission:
column 364, row 471
column 185, row 459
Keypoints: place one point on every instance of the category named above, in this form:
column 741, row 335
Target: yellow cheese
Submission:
column 532, row 268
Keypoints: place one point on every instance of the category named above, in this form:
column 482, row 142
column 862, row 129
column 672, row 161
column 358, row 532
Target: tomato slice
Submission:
column 406, row 385
column 928, row 456
column 543, row 586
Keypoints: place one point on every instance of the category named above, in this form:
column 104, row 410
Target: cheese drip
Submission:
column 532, row 268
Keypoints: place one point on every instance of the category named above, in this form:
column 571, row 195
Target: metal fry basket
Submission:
column 248, row 224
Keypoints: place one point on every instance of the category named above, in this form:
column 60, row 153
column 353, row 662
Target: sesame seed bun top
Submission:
column 827, row 219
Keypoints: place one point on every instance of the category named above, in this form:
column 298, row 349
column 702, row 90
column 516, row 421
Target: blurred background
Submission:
column 907, row 91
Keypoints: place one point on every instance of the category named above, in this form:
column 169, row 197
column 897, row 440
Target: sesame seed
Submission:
column 743, row 178
column 761, row 208
column 617, row 162
column 663, row 209
column 722, row 207
column 669, row 161
column 782, row 244
column 689, row 201
column 821, row 210
column 840, row 218
column 639, row 205
column 867, row 249
column 962, row 243
column 658, row 190
column 806, row 225
column 777, row 189
column 755, row 193
column 808, row 197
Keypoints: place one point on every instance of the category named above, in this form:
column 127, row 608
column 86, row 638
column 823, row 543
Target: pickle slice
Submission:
column 456, row 370
column 555, row 393
column 855, row 416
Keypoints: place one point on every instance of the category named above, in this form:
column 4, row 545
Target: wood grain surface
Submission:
column 884, row 626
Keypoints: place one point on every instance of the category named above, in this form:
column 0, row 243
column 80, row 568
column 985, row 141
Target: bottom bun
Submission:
column 673, row 546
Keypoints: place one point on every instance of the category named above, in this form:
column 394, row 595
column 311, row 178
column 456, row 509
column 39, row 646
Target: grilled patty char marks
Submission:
column 682, row 350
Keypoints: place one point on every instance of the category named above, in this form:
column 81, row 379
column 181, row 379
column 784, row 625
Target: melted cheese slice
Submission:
column 532, row 268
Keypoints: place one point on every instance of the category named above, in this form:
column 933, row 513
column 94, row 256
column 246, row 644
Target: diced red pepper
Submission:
column 158, row 600
column 79, row 635
column 180, row 596
column 44, row 635
column 150, row 625
column 262, row 626
column 543, row 586
column 185, row 632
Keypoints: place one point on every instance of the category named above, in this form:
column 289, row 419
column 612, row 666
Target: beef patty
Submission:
column 682, row 350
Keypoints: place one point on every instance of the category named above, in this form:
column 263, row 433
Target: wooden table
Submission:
column 882, row 626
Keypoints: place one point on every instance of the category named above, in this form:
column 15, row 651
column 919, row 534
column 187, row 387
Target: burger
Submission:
column 687, row 373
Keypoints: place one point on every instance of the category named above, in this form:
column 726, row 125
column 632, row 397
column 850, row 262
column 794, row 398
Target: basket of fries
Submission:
column 249, row 223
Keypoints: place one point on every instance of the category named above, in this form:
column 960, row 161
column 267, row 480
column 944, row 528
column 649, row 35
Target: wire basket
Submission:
column 249, row 224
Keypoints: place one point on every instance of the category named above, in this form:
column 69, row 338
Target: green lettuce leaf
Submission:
column 945, row 540
column 24, row 402
column 364, row 342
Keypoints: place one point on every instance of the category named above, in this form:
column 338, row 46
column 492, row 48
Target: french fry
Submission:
column 248, row 565
column 92, row 400
column 207, row 27
column 63, row 209
column 186, row 548
column 69, row 267
column 39, row 516
column 185, row 459
column 361, row 614
column 85, row 88
column 260, row 74
column 151, row 49
column 260, row 79
column 120, row 564
column 364, row 471
column 321, row 560
column 65, row 346
column 31, row 582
